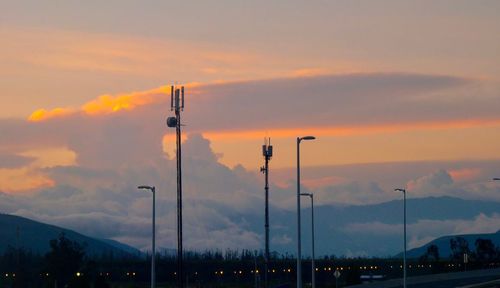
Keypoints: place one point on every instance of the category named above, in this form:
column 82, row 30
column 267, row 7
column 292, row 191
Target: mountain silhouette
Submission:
column 20, row 232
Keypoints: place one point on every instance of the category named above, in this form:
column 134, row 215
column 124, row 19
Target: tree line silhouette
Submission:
column 67, row 265
column 485, row 252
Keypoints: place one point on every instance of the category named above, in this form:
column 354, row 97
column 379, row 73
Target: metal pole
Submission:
column 266, row 261
column 465, row 262
column 299, row 268
column 255, row 270
column 153, row 228
column 313, row 267
column 404, row 255
column 180, row 274
column 153, row 276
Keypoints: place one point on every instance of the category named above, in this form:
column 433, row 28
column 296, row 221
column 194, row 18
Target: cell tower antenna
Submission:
column 267, row 152
column 177, row 104
column 172, row 98
column 182, row 95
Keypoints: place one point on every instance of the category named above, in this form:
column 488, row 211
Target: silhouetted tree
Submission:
column 458, row 246
column 431, row 255
column 485, row 250
column 19, row 261
column 433, row 252
column 64, row 260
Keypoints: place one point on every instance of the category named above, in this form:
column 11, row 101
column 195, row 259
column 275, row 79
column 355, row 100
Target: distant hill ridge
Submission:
column 31, row 235
column 333, row 222
column 443, row 244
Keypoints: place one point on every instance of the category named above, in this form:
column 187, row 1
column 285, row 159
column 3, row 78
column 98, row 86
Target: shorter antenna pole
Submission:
column 267, row 151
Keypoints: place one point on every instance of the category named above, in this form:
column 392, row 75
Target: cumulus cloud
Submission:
column 437, row 183
column 343, row 186
column 221, row 205
column 441, row 183
column 106, row 203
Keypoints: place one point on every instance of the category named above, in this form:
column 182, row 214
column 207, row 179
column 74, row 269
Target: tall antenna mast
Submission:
column 267, row 152
column 177, row 105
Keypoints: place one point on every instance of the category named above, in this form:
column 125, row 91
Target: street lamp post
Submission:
column 404, row 217
column 153, row 253
column 299, row 260
column 313, row 267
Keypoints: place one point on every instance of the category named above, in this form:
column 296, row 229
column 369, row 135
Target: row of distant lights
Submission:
column 221, row 272
column 460, row 265
column 239, row 272
column 77, row 274
column 414, row 266
column 289, row 270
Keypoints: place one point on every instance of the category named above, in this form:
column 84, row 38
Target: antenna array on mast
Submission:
column 176, row 98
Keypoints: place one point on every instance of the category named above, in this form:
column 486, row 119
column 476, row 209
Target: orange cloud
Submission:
column 106, row 104
column 169, row 144
column 50, row 157
column 23, row 180
column 348, row 130
column 308, row 72
column 465, row 174
column 42, row 114
column 32, row 177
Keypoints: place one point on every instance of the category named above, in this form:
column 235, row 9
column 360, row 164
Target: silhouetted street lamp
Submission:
column 299, row 264
column 153, row 276
column 404, row 254
column 313, row 267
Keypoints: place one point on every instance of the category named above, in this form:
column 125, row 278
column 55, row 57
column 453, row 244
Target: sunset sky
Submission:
column 396, row 92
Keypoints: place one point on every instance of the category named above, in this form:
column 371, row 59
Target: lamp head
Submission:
column 308, row 138
column 306, row 194
column 400, row 190
column 146, row 187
